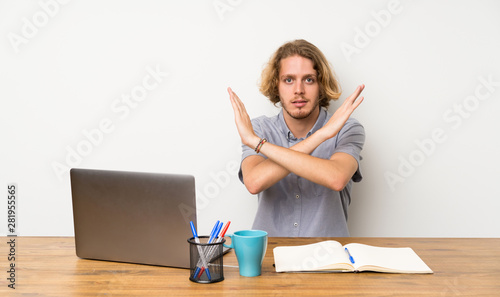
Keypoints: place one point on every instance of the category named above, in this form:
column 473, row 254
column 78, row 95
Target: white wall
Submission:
column 431, row 162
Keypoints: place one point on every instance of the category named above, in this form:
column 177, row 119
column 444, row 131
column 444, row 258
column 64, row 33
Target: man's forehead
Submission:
column 295, row 63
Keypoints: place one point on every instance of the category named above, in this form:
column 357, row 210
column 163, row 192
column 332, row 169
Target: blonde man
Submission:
column 301, row 162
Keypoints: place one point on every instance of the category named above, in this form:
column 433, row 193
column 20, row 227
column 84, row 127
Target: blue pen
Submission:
column 350, row 257
column 220, row 237
column 200, row 251
column 216, row 233
column 213, row 239
column 211, row 249
column 208, row 250
column 198, row 272
column 213, row 234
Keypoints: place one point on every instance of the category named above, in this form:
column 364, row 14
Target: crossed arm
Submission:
column 260, row 173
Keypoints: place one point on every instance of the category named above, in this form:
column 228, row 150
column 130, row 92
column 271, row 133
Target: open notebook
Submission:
column 354, row 257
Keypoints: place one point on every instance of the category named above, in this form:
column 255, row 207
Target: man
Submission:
column 302, row 162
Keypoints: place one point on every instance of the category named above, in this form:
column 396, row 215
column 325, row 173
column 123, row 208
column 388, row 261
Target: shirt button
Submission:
column 295, row 224
column 297, row 196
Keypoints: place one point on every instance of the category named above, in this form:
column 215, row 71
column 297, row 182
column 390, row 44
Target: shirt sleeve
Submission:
column 350, row 140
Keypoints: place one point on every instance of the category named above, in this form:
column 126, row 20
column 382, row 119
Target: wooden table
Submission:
column 48, row 266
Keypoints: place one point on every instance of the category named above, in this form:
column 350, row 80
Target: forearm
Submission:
column 267, row 173
column 331, row 173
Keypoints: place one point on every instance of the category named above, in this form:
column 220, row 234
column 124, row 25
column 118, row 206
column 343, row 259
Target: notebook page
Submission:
column 397, row 259
column 309, row 257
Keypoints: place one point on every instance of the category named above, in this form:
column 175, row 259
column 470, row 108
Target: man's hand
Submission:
column 338, row 119
column 243, row 122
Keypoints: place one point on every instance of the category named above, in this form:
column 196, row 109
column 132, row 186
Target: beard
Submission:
column 301, row 113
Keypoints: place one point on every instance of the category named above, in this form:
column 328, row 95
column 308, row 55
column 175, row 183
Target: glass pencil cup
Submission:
column 206, row 260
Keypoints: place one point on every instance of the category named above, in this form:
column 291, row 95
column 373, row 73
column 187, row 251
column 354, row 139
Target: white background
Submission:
column 65, row 67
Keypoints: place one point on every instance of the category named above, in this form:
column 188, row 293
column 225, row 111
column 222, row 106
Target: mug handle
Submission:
column 229, row 246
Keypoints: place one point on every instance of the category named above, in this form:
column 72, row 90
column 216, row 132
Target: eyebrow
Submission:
column 294, row 76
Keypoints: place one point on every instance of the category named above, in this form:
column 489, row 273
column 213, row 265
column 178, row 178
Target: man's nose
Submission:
column 299, row 87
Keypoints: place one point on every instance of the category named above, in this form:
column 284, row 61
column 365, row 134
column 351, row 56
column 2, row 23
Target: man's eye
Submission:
column 309, row 80
column 288, row 80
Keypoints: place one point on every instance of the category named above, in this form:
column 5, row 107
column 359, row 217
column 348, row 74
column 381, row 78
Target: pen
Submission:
column 202, row 256
column 202, row 261
column 215, row 231
column 213, row 249
column 350, row 257
column 213, row 235
column 223, row 232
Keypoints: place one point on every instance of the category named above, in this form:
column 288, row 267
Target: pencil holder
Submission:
column 206, row 260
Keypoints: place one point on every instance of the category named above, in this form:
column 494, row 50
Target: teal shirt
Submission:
column 296, row 207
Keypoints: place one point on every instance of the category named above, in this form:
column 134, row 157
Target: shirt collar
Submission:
column 319, row 123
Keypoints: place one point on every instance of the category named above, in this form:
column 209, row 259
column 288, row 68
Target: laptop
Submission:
column 133, row 217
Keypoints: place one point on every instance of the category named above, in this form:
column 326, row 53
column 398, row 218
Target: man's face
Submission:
column 298, row 87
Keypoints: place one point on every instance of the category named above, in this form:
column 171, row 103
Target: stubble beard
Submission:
column 300, row 114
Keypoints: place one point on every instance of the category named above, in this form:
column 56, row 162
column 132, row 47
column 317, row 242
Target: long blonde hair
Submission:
column 329, row 88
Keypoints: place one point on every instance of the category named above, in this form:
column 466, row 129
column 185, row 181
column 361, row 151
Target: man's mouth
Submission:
column 299, row 103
